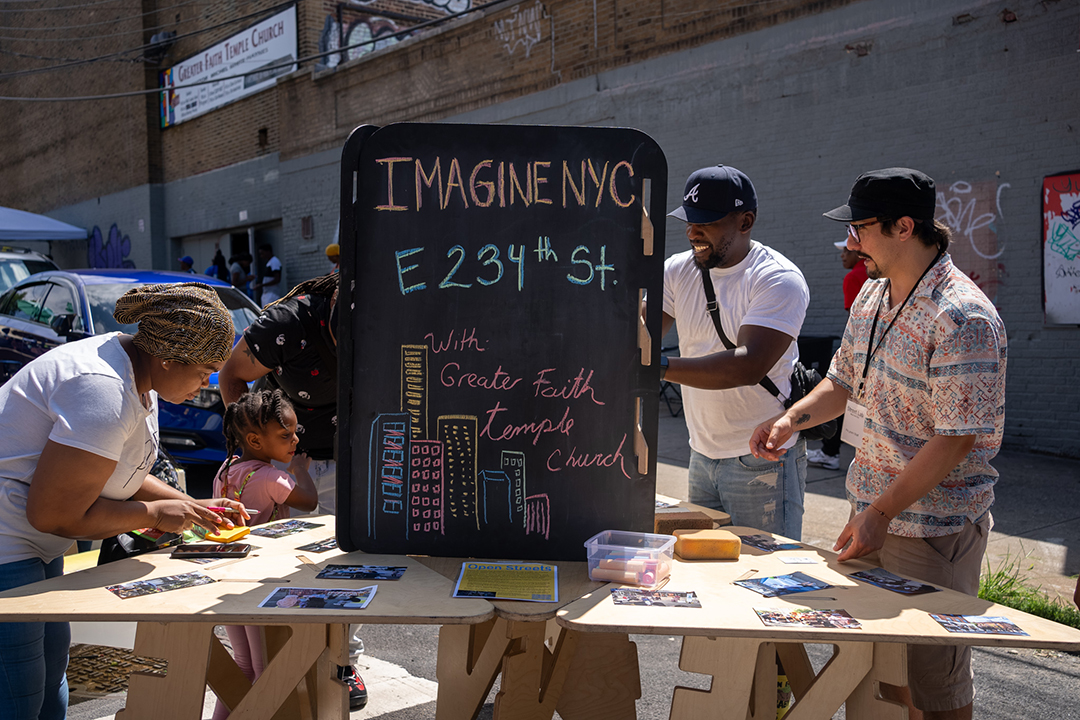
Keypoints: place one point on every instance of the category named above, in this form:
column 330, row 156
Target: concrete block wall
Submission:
column 310, row 186
column 984, row 106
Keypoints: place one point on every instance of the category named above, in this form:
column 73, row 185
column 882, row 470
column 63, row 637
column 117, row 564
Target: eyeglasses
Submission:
column 853, row 230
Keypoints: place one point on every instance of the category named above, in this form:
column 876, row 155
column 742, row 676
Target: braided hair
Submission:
column 251, row 412
column 324, row 285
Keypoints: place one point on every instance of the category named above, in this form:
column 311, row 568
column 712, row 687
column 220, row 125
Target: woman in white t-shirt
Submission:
column 80, row 436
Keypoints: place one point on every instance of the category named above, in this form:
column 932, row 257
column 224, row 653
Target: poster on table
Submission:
column 498, row 367
column 1061, row 248
column 244, row 64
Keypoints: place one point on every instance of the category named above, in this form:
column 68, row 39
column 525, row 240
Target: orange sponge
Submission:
column 707, row 544
column 227, row 536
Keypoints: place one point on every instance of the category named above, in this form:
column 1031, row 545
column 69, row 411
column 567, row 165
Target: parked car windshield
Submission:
column 102, row 299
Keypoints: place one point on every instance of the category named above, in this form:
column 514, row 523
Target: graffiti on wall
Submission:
column 972, row 210
column 358, row 33
column 522, row 29
column 111, row 252
column 1061, row 248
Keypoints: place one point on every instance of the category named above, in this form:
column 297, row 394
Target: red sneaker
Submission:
column 357, row 690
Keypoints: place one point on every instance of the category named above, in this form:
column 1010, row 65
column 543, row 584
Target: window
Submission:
column 25, row 304
column 59, row 301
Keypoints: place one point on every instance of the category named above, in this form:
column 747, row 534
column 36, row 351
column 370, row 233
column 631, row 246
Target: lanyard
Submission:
column 871, row 349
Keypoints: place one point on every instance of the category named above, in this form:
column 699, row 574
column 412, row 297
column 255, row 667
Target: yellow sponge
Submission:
column 227, row 536
column 707, row 544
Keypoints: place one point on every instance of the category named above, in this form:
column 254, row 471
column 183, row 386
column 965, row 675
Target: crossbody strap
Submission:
column 714, row 312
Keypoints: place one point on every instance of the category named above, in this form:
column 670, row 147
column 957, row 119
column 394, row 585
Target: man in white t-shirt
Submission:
column 761, row 300
column 271, row 279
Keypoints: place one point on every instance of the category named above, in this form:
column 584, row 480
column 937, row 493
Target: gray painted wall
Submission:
column 125, row 229
column 985, row 107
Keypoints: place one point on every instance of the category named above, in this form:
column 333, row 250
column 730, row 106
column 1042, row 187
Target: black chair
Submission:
column 669, row 392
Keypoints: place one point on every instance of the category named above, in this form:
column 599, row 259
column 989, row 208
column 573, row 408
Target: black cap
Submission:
column 891, row 193
column 713, row 192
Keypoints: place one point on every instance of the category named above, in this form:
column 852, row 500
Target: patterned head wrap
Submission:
column 184, row 322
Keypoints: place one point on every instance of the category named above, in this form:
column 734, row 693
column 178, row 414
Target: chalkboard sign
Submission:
column 498, row 386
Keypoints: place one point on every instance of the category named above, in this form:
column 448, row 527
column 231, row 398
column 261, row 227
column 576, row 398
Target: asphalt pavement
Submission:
column 1037, row 522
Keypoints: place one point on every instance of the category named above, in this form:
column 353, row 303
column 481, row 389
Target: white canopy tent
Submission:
column 22, row 225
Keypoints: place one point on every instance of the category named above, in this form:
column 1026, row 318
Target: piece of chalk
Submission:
column 627, row 578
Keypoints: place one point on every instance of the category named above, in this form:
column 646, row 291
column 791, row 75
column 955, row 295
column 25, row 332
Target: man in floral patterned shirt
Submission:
column 923, row 363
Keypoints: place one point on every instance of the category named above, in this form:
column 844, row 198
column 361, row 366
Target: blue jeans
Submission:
column 756, row 493
column 33, row 655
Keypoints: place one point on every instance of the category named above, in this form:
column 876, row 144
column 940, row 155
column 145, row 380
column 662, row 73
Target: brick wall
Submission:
column 56, row 154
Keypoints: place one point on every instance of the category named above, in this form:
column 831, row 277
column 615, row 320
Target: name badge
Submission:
column 854, row 419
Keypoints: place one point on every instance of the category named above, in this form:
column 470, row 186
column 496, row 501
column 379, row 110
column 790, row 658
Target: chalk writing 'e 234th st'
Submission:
column 492, row 268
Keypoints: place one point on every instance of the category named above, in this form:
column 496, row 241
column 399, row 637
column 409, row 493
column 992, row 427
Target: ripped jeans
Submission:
column 757, row 493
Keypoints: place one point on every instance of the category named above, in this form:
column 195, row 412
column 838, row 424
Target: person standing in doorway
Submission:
column 270, row 285
column 187, row 264
column 240, row 272
column 828, row 456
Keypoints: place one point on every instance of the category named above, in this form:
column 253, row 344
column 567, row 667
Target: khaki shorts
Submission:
column 940, row 676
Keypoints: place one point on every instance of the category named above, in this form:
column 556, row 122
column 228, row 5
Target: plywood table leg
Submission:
column 602, row 681
column 796, row 662
column 733, row 664
column 225, row 677
column 178, row 695
column 890, row 666
column 331, row 694
column 468, row 662
column 850, row 663
column 292, row 651
column 528, row 659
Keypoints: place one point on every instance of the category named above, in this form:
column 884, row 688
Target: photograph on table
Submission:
column 885, row 579
column 281, row 529
column 655, row 598
column 158, row 585
column 777, row 585
column 805, row 617
column 320, row 598
column 361, row 572
column 768, row 544
column 320, row 546
column 981, row 624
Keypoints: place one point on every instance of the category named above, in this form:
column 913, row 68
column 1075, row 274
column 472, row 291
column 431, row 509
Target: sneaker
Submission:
column 819, row 458
column 357, row 690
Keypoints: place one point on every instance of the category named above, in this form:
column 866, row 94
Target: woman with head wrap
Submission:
column 80, row 433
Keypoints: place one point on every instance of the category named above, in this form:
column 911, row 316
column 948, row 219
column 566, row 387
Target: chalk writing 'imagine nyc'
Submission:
column 501, row 185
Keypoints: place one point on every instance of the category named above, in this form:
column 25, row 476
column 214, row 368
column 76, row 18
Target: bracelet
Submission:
column 882, row 514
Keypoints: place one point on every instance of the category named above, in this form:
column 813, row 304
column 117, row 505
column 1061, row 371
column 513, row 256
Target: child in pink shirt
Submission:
column 263, row 425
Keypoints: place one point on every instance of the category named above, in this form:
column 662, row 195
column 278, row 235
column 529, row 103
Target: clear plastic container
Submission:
column 630, row 558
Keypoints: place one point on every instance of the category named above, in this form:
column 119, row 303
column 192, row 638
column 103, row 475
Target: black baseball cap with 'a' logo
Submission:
column 713, row 192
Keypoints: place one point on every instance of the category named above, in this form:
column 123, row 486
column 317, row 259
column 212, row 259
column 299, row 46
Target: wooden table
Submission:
column 544, row 667
column 727, row 640
column 304, row 646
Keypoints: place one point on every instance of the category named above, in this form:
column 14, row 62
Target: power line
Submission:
column 86, row 25
column 50, row 9
column 64, row 66
column 263, row 69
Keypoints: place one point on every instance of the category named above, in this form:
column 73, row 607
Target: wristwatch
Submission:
column 663, row 367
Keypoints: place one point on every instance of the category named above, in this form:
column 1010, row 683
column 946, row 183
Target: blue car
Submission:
column 50, row 308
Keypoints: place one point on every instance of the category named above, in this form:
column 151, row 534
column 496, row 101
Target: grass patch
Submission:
column 1006, row 586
